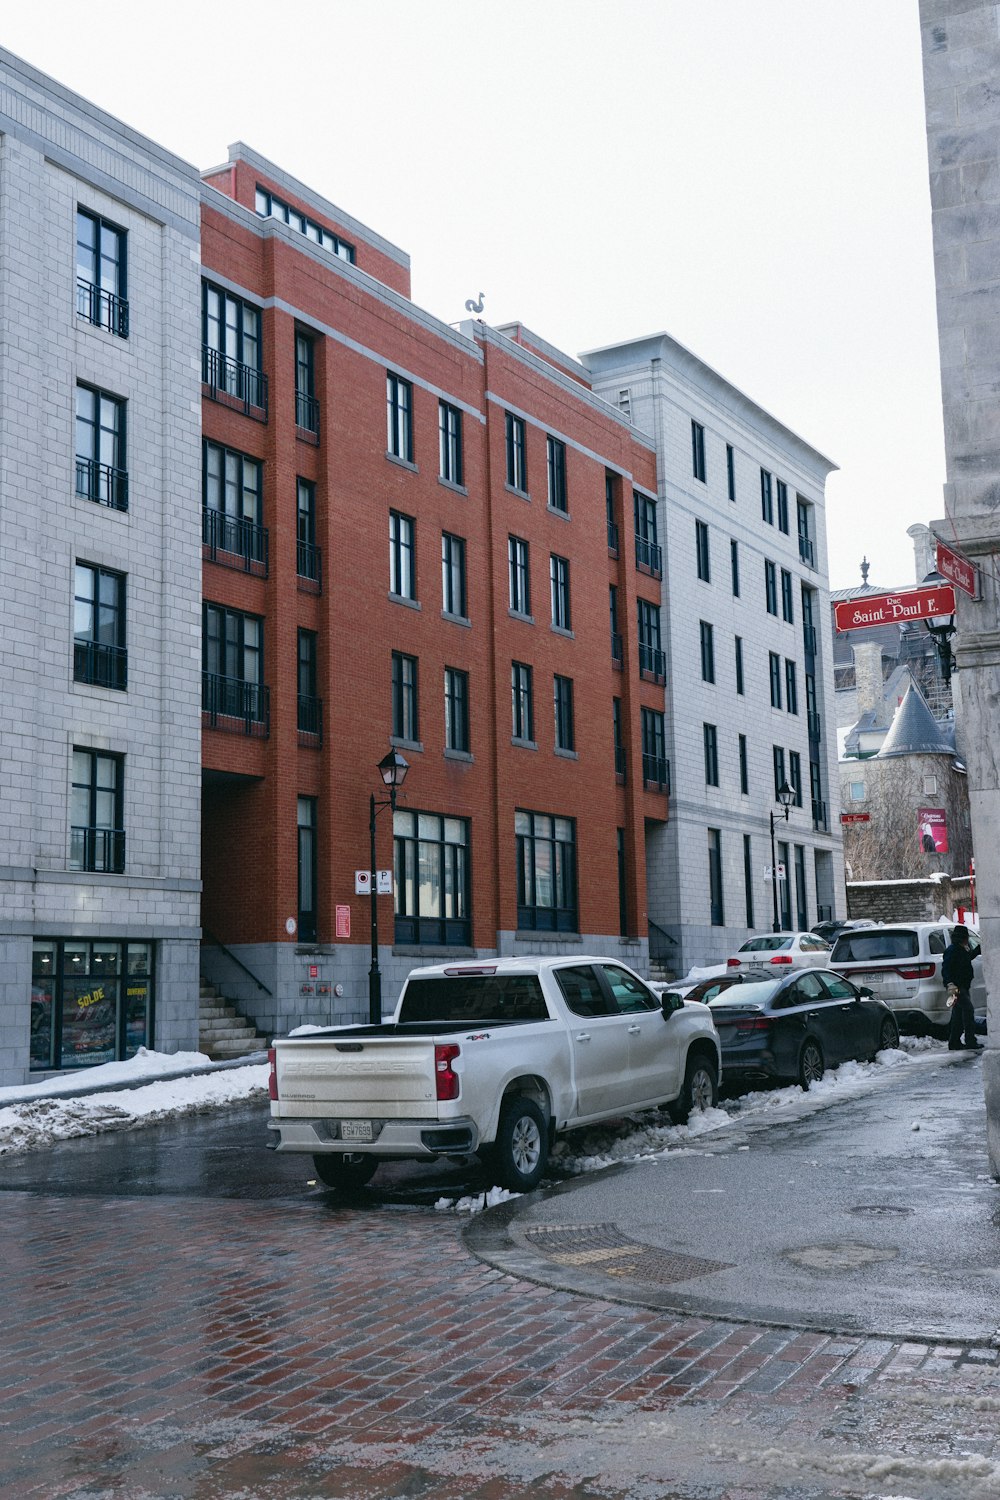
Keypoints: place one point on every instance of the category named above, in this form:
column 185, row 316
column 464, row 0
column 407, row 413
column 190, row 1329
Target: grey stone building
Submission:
column 100, row 496
column 961, row 53
column 749, row 679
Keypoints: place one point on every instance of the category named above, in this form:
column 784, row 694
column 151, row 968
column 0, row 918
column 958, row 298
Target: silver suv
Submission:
column 901, row 963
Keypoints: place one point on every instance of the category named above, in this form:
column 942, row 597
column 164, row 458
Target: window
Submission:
column 399, row 417
column 771, row 587
column 556, row 465
column 795, row 775
column 791, row 688
column 785, row 889
column 806, row 550
column 930, row 786
column 101, row 282
column 648, row 555
column 522, row 707
column 617, row 654
column 233, row 668
column 431, row 888
column 402, row 572
column 778, row 757
column 748, row 878
column 97, row 838
column 450, row 443
column 232, row 489
column 306, row 404
column 698, row 451
column 655, row 770
column 739, row 665
column 562, row 693
column 744, row 767
column 456, row 710
column 816, row 794
column 308, row 555
column 99, row 654
column 717, row 916
column 91, row 1002
column 310, row 707
column 809, row 638
column 707, row 652
column 774, row 669
column 622, row 885
column 766, row 497
column 734, row 563
column 546, row 872
column 710, row 736
column 307, row 864
column 730, row 472
column 519, row 578
column 702, row 556
column 232, row 365
column 609, row 509
column 782, row 506
column 405, row 723
column 652, row 661
column 271, row 207
column 617, row 740
column 559, row 587
column 801, row 908
column 453, row 600
column 787, row 610
column 812, row 716
column 100, row 448
column 517, row 476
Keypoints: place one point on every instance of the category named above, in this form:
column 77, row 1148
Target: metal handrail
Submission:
column 237, row 537
column 648, row 556
column 215, row 943
column 102, row 483
column 231, row 378
column 100, row 665
column 103, row 309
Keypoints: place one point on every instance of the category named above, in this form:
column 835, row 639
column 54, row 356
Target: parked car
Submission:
column 830, row 930
column 794, row 1027
column 901, row 963
column 704, row 991
column 793, row 950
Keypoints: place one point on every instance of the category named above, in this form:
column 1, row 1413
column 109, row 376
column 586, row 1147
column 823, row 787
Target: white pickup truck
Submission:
column 490, row 1057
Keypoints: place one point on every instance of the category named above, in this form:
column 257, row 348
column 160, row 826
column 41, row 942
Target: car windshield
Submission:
column 769, row 944
column 739, row 997
column 483, row 999
column 875, row 944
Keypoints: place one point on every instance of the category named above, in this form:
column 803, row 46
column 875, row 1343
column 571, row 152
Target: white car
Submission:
column 780, row 952
column 901, row 963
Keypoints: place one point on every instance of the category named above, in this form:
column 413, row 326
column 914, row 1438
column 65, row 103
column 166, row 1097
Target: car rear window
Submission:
column 875, row 945
column 492, row 999
column 745, row 996
column 769, row 944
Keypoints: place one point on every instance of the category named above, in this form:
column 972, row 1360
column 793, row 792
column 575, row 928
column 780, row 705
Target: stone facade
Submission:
column 911, row 900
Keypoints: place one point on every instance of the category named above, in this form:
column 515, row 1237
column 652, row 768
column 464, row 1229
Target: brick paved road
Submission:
column 227, row 1348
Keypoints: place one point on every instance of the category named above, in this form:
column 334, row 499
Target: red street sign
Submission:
column 954, row 566
column 892, row 609
column 855, row 817
column 343, row 921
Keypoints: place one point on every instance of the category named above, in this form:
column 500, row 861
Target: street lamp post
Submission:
column 392, row 768
column 786, row 797
column 941, row 629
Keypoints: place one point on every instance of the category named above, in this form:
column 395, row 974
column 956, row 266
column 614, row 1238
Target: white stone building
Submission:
column 100, row 564
column 749, row 674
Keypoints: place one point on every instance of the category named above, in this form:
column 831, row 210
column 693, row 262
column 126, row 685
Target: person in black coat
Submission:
column 956, row 970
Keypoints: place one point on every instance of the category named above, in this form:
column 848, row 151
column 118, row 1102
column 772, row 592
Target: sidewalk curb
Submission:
column 255, row 1059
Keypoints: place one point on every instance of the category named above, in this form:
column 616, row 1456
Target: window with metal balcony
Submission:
column 803, row 513
column 101, row 473
column 306, row 404
column 309, row 557
column 655, row 766
column 232, row 352
column 652, row 660
column 232, row 499
column 233, row 695
column 648, row 553
column 99, row 654
column 97, row 838
column 101, row 273
column 609, row 507
column 617, row 740
column 310, row 707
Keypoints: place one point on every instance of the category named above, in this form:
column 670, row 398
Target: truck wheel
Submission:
column 345, row 1169
column 521, row 1150
column 700, row 1091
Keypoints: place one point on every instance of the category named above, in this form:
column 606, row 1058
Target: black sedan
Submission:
column 795, row 1028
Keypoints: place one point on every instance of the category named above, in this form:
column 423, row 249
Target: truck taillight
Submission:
column 444, row 1075
column 272, row 1077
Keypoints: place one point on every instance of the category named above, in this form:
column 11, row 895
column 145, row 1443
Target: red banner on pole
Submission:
column 893, row 609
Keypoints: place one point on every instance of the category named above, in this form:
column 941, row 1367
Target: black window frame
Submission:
column 306, row 402
column 100, row 655
column 653, row 733
column 533, row 832
column 771, row 587
column 519, row 574
column 652, row 660
column 740, row 678
column 424, row 840
column 748, row 879
column 787, row 597
column 731, row 472
column 405, row 698
column 102, row 465
column 233, row 359
column 522, row 703
column 102, row 293
column 62, row 975
column 515, row 442
column 559, row 592
column 734, row 565
column 269, row 206
column 778, row 766
column 716, row 891
column 707, row 643
column 744, row 766
column 767, row 496
column 97, row 845
column 702, row 551
column 309, row 704
column 309, row 556
column 782, row 503
column 456, row 710
column 233, row 686
column 402, row 555
column 648, row 553
column 698, row 467
column 562, row 703
column 774, row 677
column 710, row 746
column 235, row 533
column 307, row 867
column 451, row 457
column 555, row 468
column 454, row 599
column 399, row 417
column 795, row 776
column 791, row 687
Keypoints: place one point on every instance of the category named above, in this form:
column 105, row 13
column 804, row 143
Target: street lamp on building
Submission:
column 942, row 628
column 392, row 768
column 786, row 797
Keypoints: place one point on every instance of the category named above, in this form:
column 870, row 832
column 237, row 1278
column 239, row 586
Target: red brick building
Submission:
column 413, row 535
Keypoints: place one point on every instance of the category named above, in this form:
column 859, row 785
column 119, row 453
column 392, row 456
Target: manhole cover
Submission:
column 880, row 1211
column 603, row 1247
column 840, row 1257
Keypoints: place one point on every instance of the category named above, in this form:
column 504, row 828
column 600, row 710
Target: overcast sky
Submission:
column 749, row 175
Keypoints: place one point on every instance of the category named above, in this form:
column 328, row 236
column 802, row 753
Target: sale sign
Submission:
column 894, row 609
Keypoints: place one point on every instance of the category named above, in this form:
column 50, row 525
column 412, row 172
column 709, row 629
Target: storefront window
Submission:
column 91, row 1002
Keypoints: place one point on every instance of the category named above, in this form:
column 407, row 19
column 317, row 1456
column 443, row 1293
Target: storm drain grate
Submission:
column 603, row 1247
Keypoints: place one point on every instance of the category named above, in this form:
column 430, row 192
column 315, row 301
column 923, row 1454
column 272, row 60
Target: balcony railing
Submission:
column 103, row 309
column 101, row 483
column 234, row 383
column 655, row 772
column 648, row 557
column 652, row 662
column 97, row 849
column 307, row 415
column 620, row 762
column 309, row 567
column 100, row 665
column 310, row 719
column 232, row 704
column 613, row 537
column 234, row 541
column 813, row 726
column 617, row 656
column 806, row 551
column 819, row 813
column 809, row 638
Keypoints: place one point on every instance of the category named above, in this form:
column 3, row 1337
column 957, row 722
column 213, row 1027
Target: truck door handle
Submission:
column 634, row 1030
column 583, row 1036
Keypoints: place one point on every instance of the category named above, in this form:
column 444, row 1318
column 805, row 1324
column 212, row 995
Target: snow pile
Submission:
column 696, row 976
column 476, row 1203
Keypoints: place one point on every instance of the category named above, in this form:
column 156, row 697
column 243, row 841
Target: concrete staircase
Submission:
column 224, row 1033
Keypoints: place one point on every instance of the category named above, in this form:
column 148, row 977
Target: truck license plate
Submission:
column 355, row 1130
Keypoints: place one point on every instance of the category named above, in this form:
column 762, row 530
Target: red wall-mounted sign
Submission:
column 855, row 817
column 894, row 609
column 956, row 567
